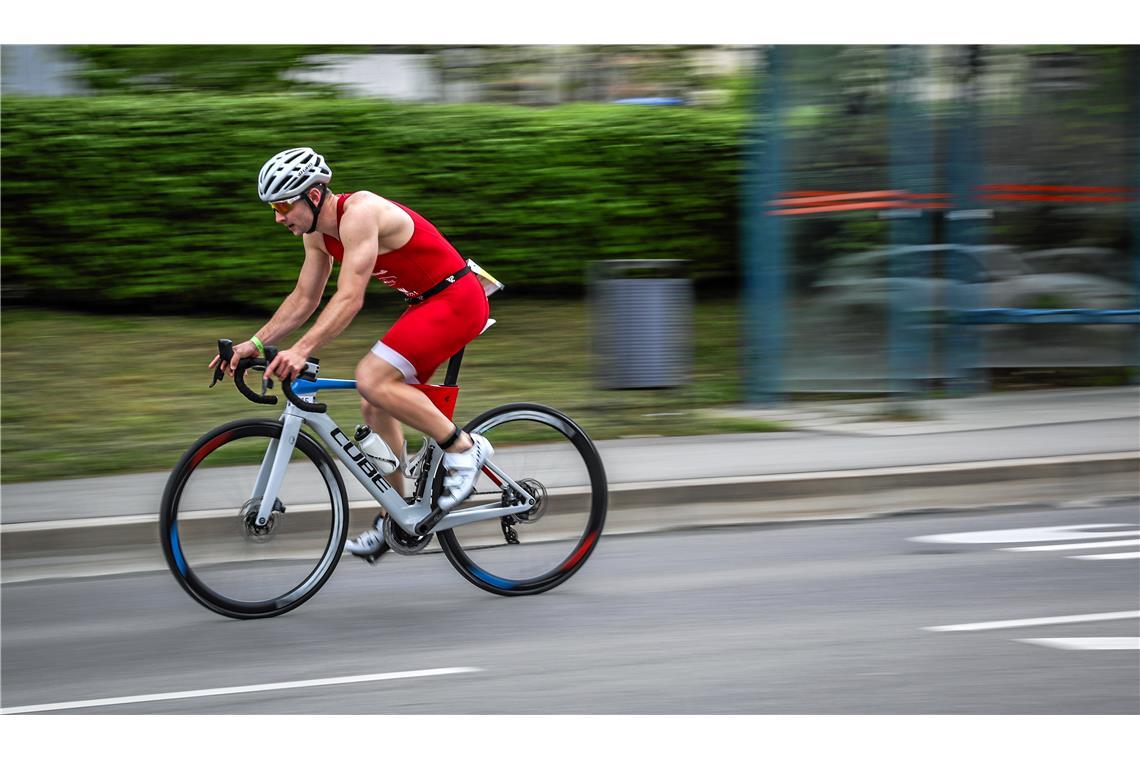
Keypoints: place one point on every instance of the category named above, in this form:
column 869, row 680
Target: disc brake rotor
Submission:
column 247, row 521
column 538, row 491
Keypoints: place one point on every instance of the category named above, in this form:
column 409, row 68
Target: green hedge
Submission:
column 150, row 202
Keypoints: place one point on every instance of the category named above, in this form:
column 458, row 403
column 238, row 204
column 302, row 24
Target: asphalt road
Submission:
column 839, row 617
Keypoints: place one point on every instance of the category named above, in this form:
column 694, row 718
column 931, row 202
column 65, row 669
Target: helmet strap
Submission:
column 316, row 209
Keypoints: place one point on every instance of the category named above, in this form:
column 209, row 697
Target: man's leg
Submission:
column 383, row 386
column 370, row 545
column 387, row 427
column 388, row 400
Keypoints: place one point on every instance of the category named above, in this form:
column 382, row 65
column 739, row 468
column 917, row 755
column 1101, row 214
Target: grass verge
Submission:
column 94, row 394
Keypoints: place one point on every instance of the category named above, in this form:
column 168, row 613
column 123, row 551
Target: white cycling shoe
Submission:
column 463, row 470
column 369, row 545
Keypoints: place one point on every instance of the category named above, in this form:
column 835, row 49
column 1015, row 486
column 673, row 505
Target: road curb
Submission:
column 100, row 536
column 850, row 482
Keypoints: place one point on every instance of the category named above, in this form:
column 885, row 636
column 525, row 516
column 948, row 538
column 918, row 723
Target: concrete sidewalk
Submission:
column 975, row 433
column 839, row 459
column 987, row 411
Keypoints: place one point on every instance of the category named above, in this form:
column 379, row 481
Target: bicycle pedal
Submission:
column 373, row 558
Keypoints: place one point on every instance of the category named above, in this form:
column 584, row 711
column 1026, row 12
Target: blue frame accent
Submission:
column 307, row 387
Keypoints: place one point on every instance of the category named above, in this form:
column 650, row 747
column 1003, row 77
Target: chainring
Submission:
column 400, row 542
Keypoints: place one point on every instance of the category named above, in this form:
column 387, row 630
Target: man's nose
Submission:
column 278, row 216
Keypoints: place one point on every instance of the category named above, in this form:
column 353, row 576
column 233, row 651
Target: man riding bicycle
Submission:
column 373, row 237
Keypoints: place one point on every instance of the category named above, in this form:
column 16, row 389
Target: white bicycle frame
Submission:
column 407, row 516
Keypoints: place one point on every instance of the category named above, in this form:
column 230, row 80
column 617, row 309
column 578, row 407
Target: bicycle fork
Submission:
column 273, row 464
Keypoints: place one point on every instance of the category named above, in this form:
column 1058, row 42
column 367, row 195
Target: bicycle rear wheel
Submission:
column 209, row 536
column 544, row 451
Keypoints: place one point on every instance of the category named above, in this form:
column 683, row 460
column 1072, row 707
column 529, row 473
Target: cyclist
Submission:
column 373, row 237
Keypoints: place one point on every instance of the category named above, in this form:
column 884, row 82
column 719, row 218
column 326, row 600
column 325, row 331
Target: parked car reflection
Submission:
column 935, row 278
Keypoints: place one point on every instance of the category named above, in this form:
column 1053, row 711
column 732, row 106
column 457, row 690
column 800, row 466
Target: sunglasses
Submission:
column 285, row 206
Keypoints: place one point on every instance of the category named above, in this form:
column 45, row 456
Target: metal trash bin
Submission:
column 642, row 323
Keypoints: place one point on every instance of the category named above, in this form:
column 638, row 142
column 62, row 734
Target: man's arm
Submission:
column 299, row 305
column 359, row 233
column 294, row 310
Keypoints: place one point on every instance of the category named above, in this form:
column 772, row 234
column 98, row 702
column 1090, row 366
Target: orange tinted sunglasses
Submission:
column 285, row 206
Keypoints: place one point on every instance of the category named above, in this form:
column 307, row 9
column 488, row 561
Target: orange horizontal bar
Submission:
column 814, row 196
column 846, row 207
column 840, row 197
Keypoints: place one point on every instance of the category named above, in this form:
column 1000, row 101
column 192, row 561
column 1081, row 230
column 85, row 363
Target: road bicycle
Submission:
column 255, row 514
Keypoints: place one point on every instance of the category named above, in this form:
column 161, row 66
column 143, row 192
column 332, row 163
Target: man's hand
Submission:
column 288, row 364
column 241, row 351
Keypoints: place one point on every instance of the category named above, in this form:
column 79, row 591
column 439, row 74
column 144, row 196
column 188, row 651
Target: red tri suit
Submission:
column 428, row 333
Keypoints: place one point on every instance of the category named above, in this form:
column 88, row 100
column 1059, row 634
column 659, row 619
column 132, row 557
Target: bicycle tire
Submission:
column 192, row 574
column 590, row 515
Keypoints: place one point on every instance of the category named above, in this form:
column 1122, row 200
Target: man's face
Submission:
column 295, row 215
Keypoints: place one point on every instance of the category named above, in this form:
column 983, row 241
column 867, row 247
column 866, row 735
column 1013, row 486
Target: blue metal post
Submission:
column 909, row 334
column 1134, row 73
column 762, row 240
column 965, row 227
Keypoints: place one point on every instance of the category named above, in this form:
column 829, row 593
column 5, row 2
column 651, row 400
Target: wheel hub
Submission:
column 247, row 521
column 538, row 491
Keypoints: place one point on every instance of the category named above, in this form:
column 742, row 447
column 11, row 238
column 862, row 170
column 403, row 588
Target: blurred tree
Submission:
column 203, row 68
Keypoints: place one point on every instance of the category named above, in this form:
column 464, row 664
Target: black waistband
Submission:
column 439, row 286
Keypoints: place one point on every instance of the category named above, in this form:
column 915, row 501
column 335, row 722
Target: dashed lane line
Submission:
column 1025, row 622
column 1101, row 643
column 236, row 690
column 1073, row 547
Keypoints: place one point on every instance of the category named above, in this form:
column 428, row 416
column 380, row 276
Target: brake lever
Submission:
column 225, row 354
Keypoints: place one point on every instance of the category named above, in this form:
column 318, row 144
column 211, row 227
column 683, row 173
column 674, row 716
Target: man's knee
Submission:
column 375, row 379
column 367, row 407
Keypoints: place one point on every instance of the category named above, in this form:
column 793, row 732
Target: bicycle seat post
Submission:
column 452, row 376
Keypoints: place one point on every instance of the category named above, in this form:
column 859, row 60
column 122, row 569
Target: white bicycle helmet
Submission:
column 290, row 173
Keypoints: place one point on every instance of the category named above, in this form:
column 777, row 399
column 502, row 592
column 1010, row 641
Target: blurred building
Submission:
column 405, row 77
column 536, row 74
column 38, row 70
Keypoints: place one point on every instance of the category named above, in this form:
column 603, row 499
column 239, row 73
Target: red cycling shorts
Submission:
column 429, row 333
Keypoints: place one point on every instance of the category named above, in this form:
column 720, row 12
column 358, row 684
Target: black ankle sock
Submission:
column 451, row 439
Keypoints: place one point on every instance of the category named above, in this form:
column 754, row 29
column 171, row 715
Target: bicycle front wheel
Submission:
column 545, row 452
column 214, row 547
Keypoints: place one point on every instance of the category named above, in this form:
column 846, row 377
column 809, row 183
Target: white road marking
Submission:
column 237, row 690
column 1036, row 621
column 1121, row 555
column 1068, row 547
column 1099, row 643
column 1030, row 535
